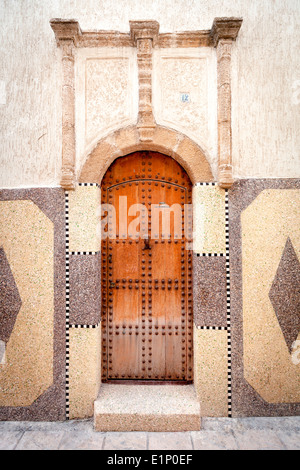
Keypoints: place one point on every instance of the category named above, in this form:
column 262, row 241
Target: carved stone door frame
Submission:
column 144, row 35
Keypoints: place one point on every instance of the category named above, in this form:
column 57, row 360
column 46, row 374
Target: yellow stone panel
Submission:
column 211, row 371
column 85, row 370
column 84, row 219
column 26, row 235
column 266, row 224
column 209, row 219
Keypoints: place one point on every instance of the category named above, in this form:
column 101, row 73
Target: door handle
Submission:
column 147, row 244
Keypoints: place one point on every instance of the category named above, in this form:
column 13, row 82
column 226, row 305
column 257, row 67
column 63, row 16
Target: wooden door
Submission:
column 147, row 325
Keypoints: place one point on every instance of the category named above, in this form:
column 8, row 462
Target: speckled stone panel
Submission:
column 85, row 289
column 209, row 289
column 262, row 216
column 211, row 371
column 85, row 370
column 39, row 212
column 267, row 225
column 209, row 219
column 84, row 219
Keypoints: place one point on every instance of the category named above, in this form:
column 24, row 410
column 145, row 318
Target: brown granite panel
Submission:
column 10, row 301
column 245, row 400
column 285, row 294
column 209, row 290
column 50, row 406
column 85, row 289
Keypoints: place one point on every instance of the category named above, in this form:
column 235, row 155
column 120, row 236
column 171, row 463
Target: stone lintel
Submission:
column 185, row 39
column 225, row 28
column 222, row 28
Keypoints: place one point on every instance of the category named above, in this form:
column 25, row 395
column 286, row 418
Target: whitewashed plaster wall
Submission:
column 265, row 83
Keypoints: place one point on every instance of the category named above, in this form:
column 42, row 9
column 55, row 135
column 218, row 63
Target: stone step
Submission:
column 161, row 408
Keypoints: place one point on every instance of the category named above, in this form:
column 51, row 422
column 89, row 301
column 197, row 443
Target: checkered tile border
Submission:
column 84, row 326
column 219, row 328
column 206, row 184
column 88, row 253
column 89, row 184
column 67, row 243
column 228, row 301
column 210, row 254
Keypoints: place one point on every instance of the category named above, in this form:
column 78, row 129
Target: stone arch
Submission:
column 126, row 140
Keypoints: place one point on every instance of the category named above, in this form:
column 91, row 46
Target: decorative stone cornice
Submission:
column 144, row 30
column 225, row 28
column 66, row 30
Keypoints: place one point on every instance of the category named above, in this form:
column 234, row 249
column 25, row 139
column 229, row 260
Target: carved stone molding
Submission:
column 144, row 35
column 127, row 140
column 224, row 31
column 67, row 34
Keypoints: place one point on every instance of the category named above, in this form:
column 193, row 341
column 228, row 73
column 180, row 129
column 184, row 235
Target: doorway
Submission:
column 147, row 319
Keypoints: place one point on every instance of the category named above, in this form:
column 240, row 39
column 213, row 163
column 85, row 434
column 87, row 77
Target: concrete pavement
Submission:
column 216, row 434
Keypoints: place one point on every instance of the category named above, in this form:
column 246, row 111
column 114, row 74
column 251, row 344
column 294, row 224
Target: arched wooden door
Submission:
column 147, row 325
